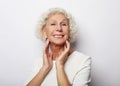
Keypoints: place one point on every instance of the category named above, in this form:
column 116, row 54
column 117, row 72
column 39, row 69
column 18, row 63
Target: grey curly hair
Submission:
column 52, row 11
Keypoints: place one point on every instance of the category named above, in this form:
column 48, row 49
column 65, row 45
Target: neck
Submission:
column 57, row 50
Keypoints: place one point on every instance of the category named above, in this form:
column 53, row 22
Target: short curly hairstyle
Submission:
column 43, row 19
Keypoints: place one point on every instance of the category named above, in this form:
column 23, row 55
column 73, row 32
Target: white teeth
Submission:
column 58, row 36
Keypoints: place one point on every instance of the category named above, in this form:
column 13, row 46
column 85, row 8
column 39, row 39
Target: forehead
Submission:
column 58, row 16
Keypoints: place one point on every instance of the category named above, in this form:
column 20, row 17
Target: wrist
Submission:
column 46, row 68
column 59, row 65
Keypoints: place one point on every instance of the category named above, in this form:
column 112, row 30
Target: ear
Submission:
column 44, row 34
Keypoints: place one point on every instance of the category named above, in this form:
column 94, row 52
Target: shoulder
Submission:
column 78, row 57
column 37, row 65
column 78, row 61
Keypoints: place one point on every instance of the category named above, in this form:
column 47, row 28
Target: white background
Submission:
column 99, row 28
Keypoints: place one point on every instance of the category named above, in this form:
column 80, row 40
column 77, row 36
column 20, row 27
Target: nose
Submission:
column 59, row 28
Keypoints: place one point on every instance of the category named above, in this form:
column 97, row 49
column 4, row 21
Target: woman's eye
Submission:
column 52, row 24
column 64, row 24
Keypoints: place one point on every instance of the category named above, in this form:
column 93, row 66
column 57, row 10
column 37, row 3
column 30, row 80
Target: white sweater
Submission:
column 77, row 68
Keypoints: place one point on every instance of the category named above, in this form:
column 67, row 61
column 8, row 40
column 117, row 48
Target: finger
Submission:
column 46, row 53
column 47, row 46
column 51, row 55
column 67, row 45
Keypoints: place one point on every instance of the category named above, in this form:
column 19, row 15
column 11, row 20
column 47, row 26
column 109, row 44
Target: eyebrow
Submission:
column 65, row 19
column 62, row 20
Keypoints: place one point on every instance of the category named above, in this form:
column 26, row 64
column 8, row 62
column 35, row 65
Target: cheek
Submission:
column 67, row 32
column 67, row 35
column 48, row 32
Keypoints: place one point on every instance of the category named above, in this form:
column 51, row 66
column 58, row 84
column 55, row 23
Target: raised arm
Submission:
column 61, row 75
column 47, row 65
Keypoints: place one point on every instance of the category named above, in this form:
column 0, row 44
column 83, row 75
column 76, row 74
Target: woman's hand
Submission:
column 60, row 61
column 47, row 57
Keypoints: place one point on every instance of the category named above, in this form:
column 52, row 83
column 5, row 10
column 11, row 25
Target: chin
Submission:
column 57, row 42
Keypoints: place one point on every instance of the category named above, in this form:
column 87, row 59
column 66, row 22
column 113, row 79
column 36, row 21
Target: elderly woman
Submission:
column 60, row 65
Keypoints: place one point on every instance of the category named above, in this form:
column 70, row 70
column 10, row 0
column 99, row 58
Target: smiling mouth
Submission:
column 58, row 36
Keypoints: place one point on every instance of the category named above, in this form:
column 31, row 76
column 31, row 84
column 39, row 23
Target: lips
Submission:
column 58, row 35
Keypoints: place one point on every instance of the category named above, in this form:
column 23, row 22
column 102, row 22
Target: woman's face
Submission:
column 57, row 29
